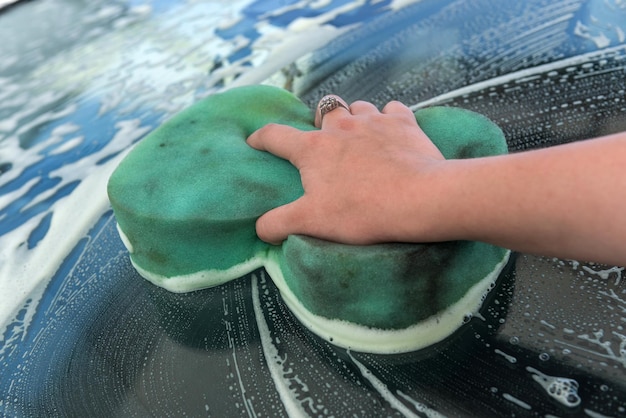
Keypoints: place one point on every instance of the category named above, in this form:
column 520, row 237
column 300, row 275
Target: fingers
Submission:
column 326, row 155
column 398, row 109
column 363, row 108
column 287, row 142
column 280, row 140
column 274, row 226
column 331, row 107
column 395, row 107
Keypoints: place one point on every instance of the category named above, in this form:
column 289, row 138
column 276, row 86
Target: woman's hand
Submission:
column 360, row 173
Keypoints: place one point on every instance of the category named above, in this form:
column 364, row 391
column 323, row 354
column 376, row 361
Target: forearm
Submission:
column 567, row 201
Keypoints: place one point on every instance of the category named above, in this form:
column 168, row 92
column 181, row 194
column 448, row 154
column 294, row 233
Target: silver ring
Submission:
column 329, row 103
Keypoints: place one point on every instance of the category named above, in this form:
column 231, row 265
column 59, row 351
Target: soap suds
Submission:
column 563, row 390
column 382, row 388
column 23, row 270
column 138, row 61
column 516, row 76
column 10, row 151
column 29, row 270
column 508, row 357
column 516, row 401
column 420, row 407
column 273, row 360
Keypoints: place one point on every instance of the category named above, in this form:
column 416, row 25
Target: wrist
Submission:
column 435, row 203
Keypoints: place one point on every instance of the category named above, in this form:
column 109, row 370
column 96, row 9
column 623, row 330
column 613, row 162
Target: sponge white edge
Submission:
column 341, row 333
column 386, row 341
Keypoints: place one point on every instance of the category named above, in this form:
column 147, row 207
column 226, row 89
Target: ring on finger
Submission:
column 329, row 103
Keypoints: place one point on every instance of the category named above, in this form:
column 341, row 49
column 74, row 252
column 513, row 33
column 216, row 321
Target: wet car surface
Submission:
column 84, row 335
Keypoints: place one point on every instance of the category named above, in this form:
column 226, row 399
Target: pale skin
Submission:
column 373, row 176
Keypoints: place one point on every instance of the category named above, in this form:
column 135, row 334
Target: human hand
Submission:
column 362, row 174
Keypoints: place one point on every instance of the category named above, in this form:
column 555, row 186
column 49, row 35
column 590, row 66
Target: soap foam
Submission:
column 562, row 389
column 514, row 77
column 136, row 62
column 31, row 269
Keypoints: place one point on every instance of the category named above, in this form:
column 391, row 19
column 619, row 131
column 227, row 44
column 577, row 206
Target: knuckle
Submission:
column 313, row 137
column 270, row 128
column 346, row 123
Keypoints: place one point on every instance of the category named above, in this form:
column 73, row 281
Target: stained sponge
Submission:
column 186, row 200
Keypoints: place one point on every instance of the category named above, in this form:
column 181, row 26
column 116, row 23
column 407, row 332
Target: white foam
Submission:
column 516, row 401
column 399, row 4
column 430, row 413
column 516, row 76
column 278, row 47
column 604, row 274
column 143, row 65
column 9, row 197
column 25, row 272
column 68, row 145
column 562, row 389
column 290, row 50
column 599, row 38
column 382, row 389
column 275, row 361
column 594, row 414
column 509, row 357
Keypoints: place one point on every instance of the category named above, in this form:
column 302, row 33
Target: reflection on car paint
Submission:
column 88, row 84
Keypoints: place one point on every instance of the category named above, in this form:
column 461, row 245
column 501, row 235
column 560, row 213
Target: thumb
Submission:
column 275, row 225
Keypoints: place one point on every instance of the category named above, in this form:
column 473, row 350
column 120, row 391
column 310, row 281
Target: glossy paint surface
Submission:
column 81, row 334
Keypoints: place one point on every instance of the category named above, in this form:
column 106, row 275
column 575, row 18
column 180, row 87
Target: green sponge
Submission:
column 186, row 200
